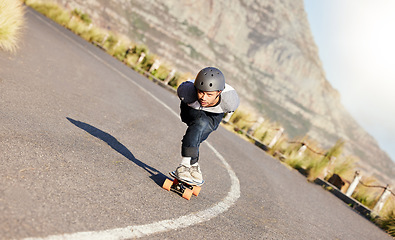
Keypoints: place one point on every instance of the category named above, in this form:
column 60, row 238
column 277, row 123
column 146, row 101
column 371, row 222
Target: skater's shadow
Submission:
column 156, row 176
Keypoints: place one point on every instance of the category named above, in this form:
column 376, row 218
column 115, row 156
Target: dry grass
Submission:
column 387, row 221
column 368, row 196
column 11, row 24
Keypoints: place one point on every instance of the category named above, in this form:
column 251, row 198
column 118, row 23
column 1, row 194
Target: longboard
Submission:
column 184, row 188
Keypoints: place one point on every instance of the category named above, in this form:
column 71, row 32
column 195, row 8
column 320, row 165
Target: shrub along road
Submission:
column 85, row 144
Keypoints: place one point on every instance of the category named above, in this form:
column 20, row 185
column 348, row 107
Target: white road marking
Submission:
column 165, row 225
column 160, row 226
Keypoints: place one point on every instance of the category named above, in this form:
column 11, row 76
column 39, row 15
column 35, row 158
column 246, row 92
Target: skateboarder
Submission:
column 204, row 101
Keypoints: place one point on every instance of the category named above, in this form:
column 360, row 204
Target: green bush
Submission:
column 119, row 50
column 162, row 72
column 77, row 27
column 242, row 119
column 93, row 35
column 148, row 61
column 176, row 80
column 138, row 49
column 83, row 16
column 131, row 60
column 51, row 10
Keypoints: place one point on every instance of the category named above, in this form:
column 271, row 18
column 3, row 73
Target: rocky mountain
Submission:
column 266, row 51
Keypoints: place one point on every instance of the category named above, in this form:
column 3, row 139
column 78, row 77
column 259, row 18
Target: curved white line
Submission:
column 165, row 225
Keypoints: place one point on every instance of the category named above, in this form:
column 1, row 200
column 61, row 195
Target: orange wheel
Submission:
column 167, row 184
column 196, row 190
column 187, row 194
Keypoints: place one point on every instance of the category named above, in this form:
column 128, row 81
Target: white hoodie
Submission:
column 229, row 100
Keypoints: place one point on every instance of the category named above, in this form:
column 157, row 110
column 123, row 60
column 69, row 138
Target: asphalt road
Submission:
column 86, row 142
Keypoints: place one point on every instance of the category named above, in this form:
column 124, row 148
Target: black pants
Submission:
column 200, row 125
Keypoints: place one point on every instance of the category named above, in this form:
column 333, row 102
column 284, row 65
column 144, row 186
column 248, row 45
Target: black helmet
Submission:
column 210, row 79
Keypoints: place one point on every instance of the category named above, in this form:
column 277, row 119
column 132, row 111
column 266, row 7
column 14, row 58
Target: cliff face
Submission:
column 266, row 51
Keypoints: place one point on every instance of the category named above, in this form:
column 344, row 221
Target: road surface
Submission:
column 86, row 142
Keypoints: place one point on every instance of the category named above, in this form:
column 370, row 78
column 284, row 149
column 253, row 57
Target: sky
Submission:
column 356, row 42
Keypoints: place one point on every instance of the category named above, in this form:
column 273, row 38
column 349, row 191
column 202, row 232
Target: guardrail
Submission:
column 346, row 197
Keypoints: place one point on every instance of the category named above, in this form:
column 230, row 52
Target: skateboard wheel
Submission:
column 196, row 190
column 187, row 194
column 167, row 184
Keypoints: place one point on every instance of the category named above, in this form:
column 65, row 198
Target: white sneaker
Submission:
column 195, row 173
column 183, row 173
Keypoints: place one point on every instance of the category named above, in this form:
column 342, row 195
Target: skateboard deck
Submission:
column 184, row 188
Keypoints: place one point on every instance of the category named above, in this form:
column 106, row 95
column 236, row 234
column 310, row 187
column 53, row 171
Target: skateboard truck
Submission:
column 184, row 189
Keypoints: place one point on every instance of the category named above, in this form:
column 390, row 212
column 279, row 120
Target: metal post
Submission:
column 170, row 76
column 141, row 58
column 154, row 66
column 252, row 129
column 302, row 149
column 228, row 116
column 380, row 203
column 276, row 138
column 354, row 184
column 104, row 39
